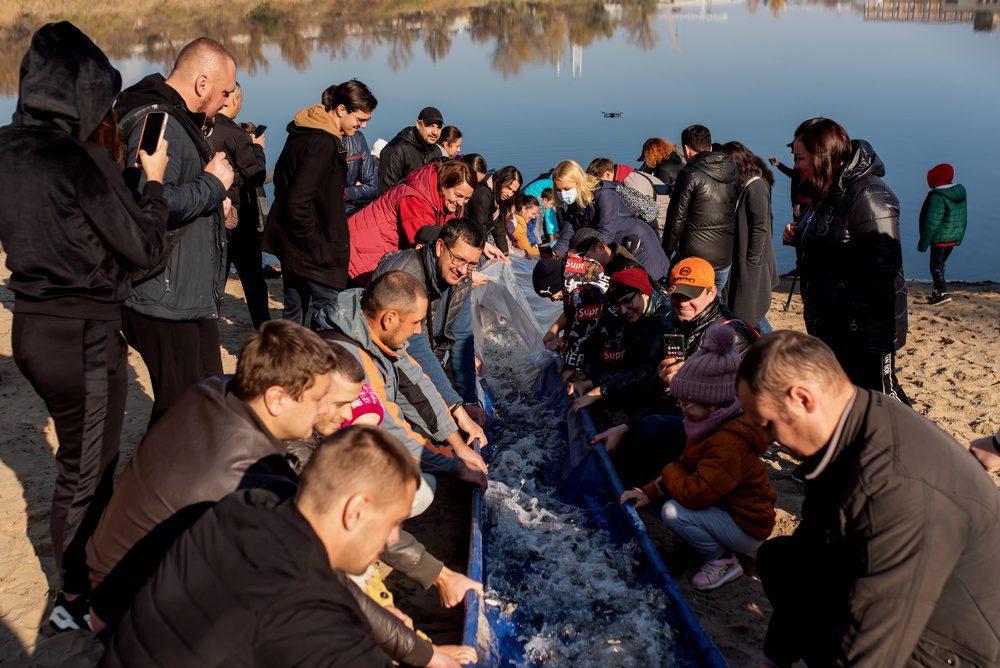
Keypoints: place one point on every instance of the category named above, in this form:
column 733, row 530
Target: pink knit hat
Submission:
column 709, row 376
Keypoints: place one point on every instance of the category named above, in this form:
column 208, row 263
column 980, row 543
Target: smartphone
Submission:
column 674, row 345
column 261, row 129
column 545, row 251
column 152, row 133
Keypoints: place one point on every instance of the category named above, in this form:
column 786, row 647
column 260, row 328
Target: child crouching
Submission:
column 720, row 497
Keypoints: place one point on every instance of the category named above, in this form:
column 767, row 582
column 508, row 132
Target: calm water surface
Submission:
column 526, row 85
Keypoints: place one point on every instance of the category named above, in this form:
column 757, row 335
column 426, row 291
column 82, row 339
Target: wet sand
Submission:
column 948, row 369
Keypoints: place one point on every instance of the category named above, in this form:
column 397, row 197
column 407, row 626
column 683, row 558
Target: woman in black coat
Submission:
column 74, row 236
column 755, row 273
column 492, row 203
column 850, row 255
column 661, row 159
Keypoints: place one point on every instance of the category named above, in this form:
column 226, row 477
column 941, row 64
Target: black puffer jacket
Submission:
column 406, row 152
column 694, row 330
column 702, row 212
column 72, row 243
column 249, row 585
column 307, row 225
column 912, row 524
column 851, row 260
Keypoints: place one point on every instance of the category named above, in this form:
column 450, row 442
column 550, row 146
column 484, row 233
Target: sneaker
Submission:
column 938, row 298
column 70, row 615
column 714, row 574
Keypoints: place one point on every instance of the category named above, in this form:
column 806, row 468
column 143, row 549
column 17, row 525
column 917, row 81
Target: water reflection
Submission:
column 521, row 34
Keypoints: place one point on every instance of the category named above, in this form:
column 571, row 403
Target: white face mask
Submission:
column 567, row 196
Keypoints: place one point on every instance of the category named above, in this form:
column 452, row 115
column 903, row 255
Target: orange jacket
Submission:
column 724, row 470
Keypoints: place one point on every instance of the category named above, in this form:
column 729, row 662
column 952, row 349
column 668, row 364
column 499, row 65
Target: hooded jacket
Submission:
column 702, row 211
column 407, row 393
column 609, row 214
column 943, row 217
column 362, row 173
column 724, row 470
column 307, row 225
column 72, row 245
column 851, row 260
column 193, row 279
column 755, row 272
column 912, row 523
column 447, row 337
column 391, row 221
column 249, row 585
column 404, row 153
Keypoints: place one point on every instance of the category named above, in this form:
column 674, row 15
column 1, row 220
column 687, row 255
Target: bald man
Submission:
column 172, row 318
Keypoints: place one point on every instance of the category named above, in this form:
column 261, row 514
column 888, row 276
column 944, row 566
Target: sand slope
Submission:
column 948, row 369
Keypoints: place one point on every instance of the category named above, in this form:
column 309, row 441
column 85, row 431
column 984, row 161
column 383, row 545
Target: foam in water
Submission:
column 569, row 589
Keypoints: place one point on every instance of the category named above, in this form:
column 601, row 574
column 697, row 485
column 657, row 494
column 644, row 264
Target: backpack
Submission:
column 643, row 207
column 654, row 189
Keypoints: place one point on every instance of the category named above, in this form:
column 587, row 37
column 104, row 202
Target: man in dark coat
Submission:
column 362, row 173
column 412, row 148
column 220, row 436
column 262, row 582
column 701, row 217
column 172, row 318
column 246, row 155
column 894, row 561
column 446, row 348
column 307, row 225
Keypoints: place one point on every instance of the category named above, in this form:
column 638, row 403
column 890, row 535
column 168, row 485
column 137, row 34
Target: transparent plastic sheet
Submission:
column 587, row 479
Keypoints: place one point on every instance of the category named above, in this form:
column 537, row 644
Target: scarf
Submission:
column 699, row 431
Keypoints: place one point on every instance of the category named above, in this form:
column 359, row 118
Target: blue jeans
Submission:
column 764, row 327
column 299, row 293
column 721, row 278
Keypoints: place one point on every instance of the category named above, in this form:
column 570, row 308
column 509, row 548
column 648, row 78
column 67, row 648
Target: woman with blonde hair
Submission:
column 661, row 159
column 590, row 202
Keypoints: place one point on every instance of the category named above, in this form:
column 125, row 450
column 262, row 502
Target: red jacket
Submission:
column 391, row 221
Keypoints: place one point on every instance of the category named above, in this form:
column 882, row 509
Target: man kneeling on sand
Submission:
column 258, row 581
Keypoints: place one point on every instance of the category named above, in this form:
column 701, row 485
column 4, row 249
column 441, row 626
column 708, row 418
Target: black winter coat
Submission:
column 249, row 585
column 851, row 261
column 755, row 273
column 910, row 524
column 609, row 214
column 307, row 225
column 72, row 243
column 246, row 157
column 406, row 152
column 667, row 170
column 192, row 284
column 702, row 212
column 481, row 208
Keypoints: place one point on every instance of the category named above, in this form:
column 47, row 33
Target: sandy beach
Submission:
column 948, row 369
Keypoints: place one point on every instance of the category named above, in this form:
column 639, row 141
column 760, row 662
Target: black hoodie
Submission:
column 71, row 229
column 702, row 213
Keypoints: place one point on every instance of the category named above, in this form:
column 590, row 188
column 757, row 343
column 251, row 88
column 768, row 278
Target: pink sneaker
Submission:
column 714, row 574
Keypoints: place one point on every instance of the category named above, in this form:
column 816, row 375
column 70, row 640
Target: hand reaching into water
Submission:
column 452, row 656
column 612, row 437
column 452, row 587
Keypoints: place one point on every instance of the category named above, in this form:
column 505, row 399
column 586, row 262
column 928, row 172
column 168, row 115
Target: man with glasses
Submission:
column 446, row 348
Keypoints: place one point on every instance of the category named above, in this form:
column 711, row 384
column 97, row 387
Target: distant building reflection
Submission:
column 984, row 15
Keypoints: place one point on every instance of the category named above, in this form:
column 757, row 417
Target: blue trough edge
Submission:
column 708, row 653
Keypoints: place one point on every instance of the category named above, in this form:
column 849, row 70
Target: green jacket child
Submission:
column 944, row 215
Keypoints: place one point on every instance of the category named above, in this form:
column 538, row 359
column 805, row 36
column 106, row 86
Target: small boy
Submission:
column 942, row 224
column 548, row 213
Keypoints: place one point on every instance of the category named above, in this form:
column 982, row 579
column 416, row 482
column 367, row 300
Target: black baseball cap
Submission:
column 430, row 116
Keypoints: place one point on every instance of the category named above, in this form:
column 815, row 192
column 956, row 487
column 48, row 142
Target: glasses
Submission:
column 460, row 263
column 617, row 305
column 359, row 119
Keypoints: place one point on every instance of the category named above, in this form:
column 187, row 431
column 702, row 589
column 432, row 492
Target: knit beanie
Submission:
column 940, row 175
column 626, row 280
column 547, row 277
column 708, row 377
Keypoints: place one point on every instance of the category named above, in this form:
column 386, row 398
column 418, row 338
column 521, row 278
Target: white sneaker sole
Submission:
column 731, row 574
column 64, row 621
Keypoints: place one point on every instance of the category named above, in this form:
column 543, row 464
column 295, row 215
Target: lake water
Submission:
column 527, row 83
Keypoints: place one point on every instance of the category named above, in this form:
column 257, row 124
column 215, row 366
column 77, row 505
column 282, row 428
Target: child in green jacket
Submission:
column 942, row 224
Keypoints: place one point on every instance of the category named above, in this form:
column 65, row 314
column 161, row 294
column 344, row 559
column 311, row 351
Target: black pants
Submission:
column 804, row 619
column 872, row 371
column 939, row 255
column 177, row 353
column 244, row 253
column 78, row 368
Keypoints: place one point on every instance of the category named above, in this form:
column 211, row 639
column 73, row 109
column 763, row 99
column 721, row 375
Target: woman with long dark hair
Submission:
column 755, row 273
column 72, row 248
column 493, row 203
column 850, row 255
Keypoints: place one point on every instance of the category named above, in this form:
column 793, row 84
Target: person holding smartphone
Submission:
column 72, row 248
